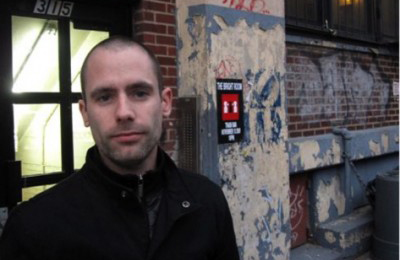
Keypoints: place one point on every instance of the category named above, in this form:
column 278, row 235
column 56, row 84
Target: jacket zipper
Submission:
column 140, row 188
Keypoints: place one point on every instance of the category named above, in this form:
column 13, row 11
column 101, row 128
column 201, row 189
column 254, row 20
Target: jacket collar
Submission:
column 177, row 200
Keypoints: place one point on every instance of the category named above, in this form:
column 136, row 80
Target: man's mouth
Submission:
column 127, row 137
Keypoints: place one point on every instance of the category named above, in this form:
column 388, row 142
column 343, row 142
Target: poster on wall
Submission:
column 230, row 110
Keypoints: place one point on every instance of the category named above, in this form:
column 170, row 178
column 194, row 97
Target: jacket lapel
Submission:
column 177, row 202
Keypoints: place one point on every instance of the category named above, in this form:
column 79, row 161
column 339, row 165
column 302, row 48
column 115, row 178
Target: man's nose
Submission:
column 124, row 109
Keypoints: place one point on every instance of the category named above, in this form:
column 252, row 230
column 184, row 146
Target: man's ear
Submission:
column 166, row 101
column 82, row 108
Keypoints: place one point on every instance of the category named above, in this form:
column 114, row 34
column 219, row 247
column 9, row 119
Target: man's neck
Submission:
column 149, row 163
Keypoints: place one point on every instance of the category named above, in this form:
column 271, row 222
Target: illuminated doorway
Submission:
column 43, row 49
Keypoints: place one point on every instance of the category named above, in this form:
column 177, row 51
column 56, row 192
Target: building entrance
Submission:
column 44, row 43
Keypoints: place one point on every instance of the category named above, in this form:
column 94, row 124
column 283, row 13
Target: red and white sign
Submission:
column 230, row 107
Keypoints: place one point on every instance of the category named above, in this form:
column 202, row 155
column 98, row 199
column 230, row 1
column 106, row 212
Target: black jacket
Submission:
column 92, row 216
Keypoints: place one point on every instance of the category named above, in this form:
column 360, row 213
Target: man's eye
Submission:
column 141, row 94
column 103, row 98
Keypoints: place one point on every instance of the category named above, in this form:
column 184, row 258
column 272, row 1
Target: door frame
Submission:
column 89, row 15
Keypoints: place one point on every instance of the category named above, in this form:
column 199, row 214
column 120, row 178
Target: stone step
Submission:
column 349, row 235
column 313, row 252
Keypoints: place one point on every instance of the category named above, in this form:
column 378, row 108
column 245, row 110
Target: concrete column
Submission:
column 242, row 39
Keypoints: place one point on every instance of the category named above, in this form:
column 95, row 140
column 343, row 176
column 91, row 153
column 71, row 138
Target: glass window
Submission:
column 28, row 193
column 83, row 139
column 82, row 41
column 37, row 138
column 35, row 55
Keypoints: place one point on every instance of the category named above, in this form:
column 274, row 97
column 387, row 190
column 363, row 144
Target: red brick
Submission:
column 151, row 27
column 168, row 40
column 154, row 6
column 171, row 9
column 172, row 71
column 302, row 126
column 166, row 61
column 291, row 127
column 158, row 49
column 171, row 30
column 294, row 118
column 291, row 110
column 172, row 51
column 169, row 81
column 308, row 133
column 165, row 18
column 147, row 38
column 315, row 125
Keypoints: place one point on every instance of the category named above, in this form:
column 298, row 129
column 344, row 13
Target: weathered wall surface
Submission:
column 374, row 151
column 227, row 41
column 328, row 86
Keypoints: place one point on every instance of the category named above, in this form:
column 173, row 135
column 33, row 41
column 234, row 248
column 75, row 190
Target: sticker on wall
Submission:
column 230, row 110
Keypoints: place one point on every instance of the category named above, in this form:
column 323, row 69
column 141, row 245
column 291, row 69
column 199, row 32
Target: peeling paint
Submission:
column 224, row 42
column 309, row 154
column 329, row 195
column 385, row 142
column 330, row 237
column 354, row 238
column 375, row 147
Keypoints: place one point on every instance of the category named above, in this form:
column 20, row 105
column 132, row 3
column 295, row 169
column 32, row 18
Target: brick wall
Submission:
column 330, row 87
column 154, row 25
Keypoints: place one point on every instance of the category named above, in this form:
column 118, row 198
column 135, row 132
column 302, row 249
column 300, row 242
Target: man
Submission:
column 129, row 201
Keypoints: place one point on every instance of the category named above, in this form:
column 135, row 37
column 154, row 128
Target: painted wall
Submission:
column 242, row 40
column 374, row 151
column 329, row 84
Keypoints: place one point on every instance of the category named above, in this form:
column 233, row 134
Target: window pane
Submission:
column 28, row 193
column 390, row 19
column 35, row 55
column 303, row 11
column 350, row 16
column 82, row 138
column 38, row 138
column 82, row 42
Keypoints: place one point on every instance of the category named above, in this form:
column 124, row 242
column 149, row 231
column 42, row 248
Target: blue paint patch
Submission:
column 276, row 126
column 265, row 93
column 266, row 90
column 278, row 251
column 260, row 128
column 193, row 55
column 231, row 17
column 191, row 30
column 265, row 194
column 264, row 246
column 249, row 75
column 278, row 101
column 246, row 135
column 179, row 43
column 258, row 75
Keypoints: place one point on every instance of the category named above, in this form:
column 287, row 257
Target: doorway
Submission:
column 45, row 44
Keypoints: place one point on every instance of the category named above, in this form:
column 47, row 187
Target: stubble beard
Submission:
column 130, row 158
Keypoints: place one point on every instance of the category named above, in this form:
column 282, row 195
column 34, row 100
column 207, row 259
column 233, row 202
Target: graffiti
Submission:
column 348, row 96
column 297, row 210
column 258, row 6
column 227, row 67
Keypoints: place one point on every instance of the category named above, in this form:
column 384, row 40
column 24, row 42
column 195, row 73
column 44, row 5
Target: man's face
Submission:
column 123, row 106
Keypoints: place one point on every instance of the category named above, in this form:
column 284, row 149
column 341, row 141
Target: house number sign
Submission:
column 53, row 7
